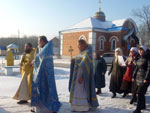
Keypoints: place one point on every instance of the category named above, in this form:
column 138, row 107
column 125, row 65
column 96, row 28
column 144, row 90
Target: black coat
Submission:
column 99, row 68
column 142, row 70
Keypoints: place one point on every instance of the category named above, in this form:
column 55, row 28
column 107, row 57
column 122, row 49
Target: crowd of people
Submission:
column 133, row 77
column 87, row 76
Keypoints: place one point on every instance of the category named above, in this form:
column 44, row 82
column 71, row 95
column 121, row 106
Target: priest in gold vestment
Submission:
column 26, row 68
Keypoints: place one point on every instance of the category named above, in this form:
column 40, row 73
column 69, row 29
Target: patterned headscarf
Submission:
column 134, row 49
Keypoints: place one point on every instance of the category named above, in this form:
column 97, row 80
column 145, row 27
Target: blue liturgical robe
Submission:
column 43, row 86
column 84, row 61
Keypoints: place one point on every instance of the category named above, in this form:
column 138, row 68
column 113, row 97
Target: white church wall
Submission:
column 92, row 40
column 61, row 44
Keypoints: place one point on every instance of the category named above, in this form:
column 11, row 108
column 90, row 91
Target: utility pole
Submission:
column 18, row 33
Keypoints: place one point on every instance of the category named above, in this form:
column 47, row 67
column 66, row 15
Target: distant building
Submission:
column 14, row 48
column 104, row 36
column 56, row 46
column 3, row 50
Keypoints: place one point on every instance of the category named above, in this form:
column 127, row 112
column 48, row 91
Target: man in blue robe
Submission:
column 82, row 89
column 44, row 93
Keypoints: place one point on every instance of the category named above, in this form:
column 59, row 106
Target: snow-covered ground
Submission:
column 64, row 61
column 9, row 85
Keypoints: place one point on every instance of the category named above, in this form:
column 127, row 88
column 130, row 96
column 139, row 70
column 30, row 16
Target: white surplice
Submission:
column 79, row 101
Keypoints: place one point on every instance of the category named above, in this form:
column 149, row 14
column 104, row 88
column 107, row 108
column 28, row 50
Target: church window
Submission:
column 82, row 37
column 113, row 44
column 113, row 40
column 101, row 43
column 132, row 40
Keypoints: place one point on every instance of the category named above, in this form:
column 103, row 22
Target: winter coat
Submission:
column 127, row 84
column 117, row 73
column 99, row 68
column 142, row 70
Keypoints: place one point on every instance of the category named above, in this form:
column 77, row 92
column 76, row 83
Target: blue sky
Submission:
column 47, row 17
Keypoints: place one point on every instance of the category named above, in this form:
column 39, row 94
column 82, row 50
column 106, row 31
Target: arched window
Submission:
column 113, row 41
column 113, row 44
column 101, row 43
column 82, row 37
column 132, row 40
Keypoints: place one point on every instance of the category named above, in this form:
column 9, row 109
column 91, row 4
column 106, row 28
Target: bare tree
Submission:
column 142, row 33
column 143, row 16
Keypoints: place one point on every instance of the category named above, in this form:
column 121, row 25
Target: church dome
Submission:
column 100, row 15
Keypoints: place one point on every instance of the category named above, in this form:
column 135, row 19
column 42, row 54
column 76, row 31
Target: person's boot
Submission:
column 137, row 111
column 143, row 107
column 134, row 99
column 124, row 95
column 114, row 95
column 98, row 91
column 33, row 110
column 22, row 102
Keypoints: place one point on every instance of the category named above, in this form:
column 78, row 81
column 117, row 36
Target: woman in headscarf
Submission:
column 127, row 85
column 142, row 77
column 117, row 72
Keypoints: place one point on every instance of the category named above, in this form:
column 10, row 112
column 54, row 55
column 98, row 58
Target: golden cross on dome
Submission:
column 100, row 2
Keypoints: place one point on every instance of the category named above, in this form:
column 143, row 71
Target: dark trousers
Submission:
column 141, row 90
column 141, row 101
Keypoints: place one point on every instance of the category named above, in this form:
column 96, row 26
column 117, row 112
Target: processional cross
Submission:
column 70, row 50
